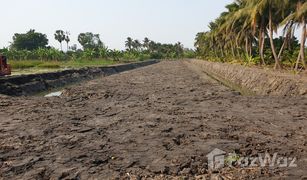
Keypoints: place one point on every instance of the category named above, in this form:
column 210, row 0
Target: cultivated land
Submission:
column 158, row 121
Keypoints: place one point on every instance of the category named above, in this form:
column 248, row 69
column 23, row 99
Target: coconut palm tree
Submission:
column 237, row 29
column 59, row 36
column 248, row 27
column 67, row 39
column 299, row 16
column 129, row 43
column 288, row 33
column 136, row 45
column 250, row 22
column 146, row 42
column 152, row 46
column 201, row 43
column 266, row 10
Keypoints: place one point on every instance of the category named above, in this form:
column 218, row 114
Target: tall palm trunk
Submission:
column 261, row 42
column 246, row 45
column 301, row 55
column 262, row 48
column 250, row 46
column 288, row 35
column 233, row 50
column 215, row 52
column 282, row 48
column 237, row 47
column 222, row 51
column 259, row 45
column 277, row 62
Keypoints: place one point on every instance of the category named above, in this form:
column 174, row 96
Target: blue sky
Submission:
column 166, row 21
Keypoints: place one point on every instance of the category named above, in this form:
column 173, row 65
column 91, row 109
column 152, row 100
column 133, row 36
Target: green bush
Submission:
column 143, row 57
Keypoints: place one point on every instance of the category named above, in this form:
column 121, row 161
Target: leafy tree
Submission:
column 73, row 47
column 60, row 36
column 29, row 41
column 89, row 40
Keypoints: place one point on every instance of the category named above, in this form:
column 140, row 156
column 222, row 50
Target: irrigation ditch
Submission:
column 254, row 81
column 25, row 85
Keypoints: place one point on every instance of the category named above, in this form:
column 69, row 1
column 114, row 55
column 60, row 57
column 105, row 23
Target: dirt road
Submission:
column 158, row 121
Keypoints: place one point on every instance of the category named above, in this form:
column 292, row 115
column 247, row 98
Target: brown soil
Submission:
column 251, row 80
column 157, row 122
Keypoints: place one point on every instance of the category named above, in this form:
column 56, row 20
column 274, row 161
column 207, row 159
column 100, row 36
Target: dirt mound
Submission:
column 156, row 122
column 255, row 81
column 35, row 83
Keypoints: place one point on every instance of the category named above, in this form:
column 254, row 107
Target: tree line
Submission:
column 33, row 45
column 246, row 31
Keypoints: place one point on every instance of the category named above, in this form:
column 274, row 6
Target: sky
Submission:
column 166, row 21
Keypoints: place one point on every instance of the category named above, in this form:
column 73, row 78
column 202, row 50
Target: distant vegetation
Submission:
column 245, row 33
column 31, row 50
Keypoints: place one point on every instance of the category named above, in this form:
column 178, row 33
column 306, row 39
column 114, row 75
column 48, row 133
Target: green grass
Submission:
column 26, row 64
column 37, row 66
column 50, row 65
column 88, row 63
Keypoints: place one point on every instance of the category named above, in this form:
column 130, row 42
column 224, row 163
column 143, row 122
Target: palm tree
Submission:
column 178, row 50
column 257, row 21
column 227, row 28
column 288, row 35
column 201, row 42
column 59, row 36
column 129, row 43
column 136, row 45
column 146, row 42
column 299, row 16
column 152, row 46
column 267, row 9
column 249, row 19
column 67, row 39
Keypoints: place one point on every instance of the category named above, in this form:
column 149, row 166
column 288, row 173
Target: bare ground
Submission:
column 155, row 122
